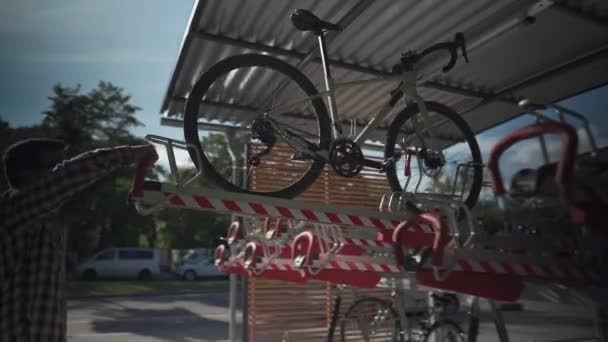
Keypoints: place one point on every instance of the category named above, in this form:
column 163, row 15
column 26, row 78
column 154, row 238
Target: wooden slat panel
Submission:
column 304, row 310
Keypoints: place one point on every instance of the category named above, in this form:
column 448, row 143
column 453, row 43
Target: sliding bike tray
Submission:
column 362, row 247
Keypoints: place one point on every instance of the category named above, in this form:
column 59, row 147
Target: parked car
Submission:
column 140, row 263
column 193, row 268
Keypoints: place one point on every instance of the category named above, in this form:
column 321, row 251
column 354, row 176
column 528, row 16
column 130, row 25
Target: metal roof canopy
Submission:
column 518, row 48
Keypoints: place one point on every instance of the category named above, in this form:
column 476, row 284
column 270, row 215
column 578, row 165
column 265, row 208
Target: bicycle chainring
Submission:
column 345, row 157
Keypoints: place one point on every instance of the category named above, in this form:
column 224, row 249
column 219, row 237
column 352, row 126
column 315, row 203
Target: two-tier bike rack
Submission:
column 440, row 250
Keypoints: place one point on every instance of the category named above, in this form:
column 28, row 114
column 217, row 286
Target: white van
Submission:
column 140, row 263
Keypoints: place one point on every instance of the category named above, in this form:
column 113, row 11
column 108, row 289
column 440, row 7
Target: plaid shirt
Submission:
column 32, row 250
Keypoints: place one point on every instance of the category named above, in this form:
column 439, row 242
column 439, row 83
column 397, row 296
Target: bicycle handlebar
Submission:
column 409, row 59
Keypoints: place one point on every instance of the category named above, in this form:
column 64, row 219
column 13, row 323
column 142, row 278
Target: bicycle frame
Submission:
column 407, row 87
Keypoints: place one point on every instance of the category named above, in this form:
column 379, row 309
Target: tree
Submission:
column 84, row 121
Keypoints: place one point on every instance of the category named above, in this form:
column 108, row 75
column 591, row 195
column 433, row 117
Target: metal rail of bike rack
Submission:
column 537, row 276
column 155, row 195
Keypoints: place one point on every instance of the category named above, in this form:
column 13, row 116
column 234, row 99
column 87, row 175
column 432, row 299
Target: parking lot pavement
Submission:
column 205, row 317
column 541, row 322
column 194, row 317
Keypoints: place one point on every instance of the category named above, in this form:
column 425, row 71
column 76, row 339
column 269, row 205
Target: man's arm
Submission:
column 34, row 202
column 39, row 199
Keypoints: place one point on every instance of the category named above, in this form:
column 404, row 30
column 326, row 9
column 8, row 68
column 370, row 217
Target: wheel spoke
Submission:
column 455, row 145
column 264, row 83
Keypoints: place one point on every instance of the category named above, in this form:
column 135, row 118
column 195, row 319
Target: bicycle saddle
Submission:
column 304, row 20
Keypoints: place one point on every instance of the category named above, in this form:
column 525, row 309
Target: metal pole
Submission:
column 331, row 100
column 543, row 145
column 231, row 136
column 473, row 313
column 244, row 280
column 232, row 324
column 499, row 322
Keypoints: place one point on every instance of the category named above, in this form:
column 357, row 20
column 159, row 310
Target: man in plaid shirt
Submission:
column 32, row 247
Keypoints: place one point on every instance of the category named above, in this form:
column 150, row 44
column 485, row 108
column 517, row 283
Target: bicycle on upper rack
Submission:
column 292, row 133
column 374, row 319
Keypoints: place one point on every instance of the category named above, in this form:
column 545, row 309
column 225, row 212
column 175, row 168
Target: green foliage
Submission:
column 216, row 149
column 85, row 121
column 187, row 229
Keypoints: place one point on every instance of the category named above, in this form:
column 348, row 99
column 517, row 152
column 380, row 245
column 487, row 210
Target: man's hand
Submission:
column 144, row 155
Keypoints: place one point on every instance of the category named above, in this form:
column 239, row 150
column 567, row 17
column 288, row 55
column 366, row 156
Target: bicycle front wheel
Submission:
column 267, row 104
column 440, row 157
column 371, row 319
column 445, row 331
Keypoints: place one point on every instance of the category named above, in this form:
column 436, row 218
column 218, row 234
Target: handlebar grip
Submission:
column 452, row 62
column 568, row 151
column 461, row 42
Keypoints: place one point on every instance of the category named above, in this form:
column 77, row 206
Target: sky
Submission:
column 134, row 45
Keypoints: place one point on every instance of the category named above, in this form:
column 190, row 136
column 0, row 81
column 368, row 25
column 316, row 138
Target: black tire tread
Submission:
column 364, row 300
column 439, row 324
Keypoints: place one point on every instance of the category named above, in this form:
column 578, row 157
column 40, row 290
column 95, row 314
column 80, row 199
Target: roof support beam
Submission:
column 224, row 105
column 286, row 53
column 247, row 109
column 509, row 91
column 465, row 92
column 212, row 127
column 591, row 18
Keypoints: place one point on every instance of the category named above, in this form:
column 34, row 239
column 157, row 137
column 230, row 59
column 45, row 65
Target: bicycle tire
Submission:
column 193, row 103
column 334, row 318
column 412, row 110
column 459, row 333
column 397, row 335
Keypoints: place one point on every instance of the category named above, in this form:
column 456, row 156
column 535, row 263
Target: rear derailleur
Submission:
column 262, row 131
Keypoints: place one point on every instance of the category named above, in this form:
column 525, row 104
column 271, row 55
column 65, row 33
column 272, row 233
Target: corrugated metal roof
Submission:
column 564, row 52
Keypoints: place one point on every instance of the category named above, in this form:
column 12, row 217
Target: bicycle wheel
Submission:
column 445, row 161
column 444, row 331
column 371, row 319
column 241, row 89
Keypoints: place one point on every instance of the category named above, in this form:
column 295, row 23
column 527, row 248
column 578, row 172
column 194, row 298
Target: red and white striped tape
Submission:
column 557, row 271
column 261, row 209
column 281, row 265
column 362, row 266
column 363, row 242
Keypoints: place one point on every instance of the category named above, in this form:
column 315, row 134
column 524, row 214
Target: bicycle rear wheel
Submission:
column 240, row 89
column 446, row 161
column 371, row 319
column 445, row 331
